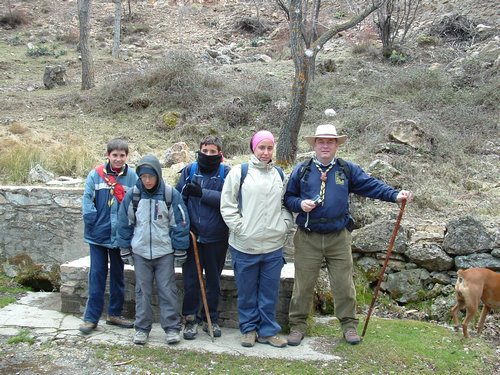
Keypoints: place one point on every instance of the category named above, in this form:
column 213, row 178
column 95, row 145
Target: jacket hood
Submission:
column 152, row 162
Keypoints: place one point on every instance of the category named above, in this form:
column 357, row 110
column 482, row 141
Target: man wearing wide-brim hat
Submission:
column 318, row 190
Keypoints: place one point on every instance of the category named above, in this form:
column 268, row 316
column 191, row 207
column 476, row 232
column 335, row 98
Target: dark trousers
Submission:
column 98, row 274
column 212, row 258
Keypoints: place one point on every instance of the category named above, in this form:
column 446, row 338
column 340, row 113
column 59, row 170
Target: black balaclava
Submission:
column 208, row 163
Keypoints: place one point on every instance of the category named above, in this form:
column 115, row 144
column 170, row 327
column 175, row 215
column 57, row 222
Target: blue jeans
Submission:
column 212, row 258
column 258, row 281
column 98, row 274
column 161, row 271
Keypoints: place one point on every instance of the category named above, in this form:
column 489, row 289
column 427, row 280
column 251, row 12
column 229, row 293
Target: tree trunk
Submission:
column 289, row 133
column 87, row 62
column 116, row 29
column 304, row 50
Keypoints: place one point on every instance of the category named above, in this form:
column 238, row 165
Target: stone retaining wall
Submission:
column 43, row 222
column 74, row 292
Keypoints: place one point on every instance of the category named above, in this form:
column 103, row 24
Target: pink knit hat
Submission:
column 259, row 137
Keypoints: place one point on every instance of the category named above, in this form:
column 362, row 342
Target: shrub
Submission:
column 14, row 19
column 70, row 36
column 73, row 158
column 16, row 40
column 39, row 51
column 17, row 159
column 397, row 57
column 428, row 40
column 17, row 128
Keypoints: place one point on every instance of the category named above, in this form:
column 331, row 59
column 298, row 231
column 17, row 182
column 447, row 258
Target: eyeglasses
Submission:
column 145, row 177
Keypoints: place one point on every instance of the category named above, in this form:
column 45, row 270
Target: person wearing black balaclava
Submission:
column 201, row 184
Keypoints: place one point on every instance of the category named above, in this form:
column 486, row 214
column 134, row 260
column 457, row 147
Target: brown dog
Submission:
column 473, row 285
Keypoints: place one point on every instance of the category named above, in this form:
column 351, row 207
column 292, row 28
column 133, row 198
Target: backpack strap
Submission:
column 344, row 166
column 281, row 173
column 167, row 195
column 136, row 197
column 222, row 170
column 192, row 171
column 244, row 172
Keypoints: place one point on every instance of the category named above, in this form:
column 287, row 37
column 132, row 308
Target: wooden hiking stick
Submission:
column 382, row 271
column 202, row 286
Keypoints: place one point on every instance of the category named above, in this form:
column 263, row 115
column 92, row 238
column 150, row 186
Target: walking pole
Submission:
column 382, row 271
column 202, row 286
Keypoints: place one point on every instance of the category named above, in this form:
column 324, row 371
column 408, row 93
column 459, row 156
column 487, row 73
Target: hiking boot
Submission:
column 190, row 330
column 215, row 329
column 119, row 321
column 294, row 338
column 275, row 341
column 87, row 327
column 173, row 336
column 248, row 339
column 351, row 336
column 140, row 337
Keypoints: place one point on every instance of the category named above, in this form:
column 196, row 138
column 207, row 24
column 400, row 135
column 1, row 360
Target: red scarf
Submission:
column 115, row 188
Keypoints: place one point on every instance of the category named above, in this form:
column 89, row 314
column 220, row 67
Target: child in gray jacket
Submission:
column 152, row 225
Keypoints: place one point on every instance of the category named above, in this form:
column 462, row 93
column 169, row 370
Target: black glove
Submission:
column 194, row 189
column 180, row 257
column 126, row 254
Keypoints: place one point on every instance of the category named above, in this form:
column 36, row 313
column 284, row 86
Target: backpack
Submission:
column 244, row 172
column 305, row 168
column 194, row 168
column 167, row 195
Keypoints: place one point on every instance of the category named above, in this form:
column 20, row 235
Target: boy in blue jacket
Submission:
column 152, row 225
column 105, row 188
column 201, row 184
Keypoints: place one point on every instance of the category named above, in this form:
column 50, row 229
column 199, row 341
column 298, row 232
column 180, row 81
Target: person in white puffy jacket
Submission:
column 253, row 209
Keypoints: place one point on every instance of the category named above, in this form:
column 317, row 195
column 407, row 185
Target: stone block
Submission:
column 74, row 293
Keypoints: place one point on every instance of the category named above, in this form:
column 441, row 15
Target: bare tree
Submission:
column 394, row 19
column 117, row 29
column 305, row 44
column 10, row 8
column 88, row 80
column 129, row 16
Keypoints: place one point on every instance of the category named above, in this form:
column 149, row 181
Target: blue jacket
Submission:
column 204, row 212
column 333, row 215
column 154, row 230
column 98, row 217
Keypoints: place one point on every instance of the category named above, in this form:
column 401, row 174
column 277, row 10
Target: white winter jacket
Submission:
column 260, row 225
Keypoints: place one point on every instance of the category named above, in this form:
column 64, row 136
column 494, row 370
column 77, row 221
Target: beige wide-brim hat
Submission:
column 325, row 131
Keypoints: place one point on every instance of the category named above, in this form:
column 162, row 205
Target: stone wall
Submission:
column 43, row 222
column 74, row 292
column 46, row 224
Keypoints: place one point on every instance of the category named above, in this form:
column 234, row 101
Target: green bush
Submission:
column 39, row 51
column 397, row 57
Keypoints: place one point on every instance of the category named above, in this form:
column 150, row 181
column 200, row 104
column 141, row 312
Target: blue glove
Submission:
column 180, row 257
column 126, row 254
